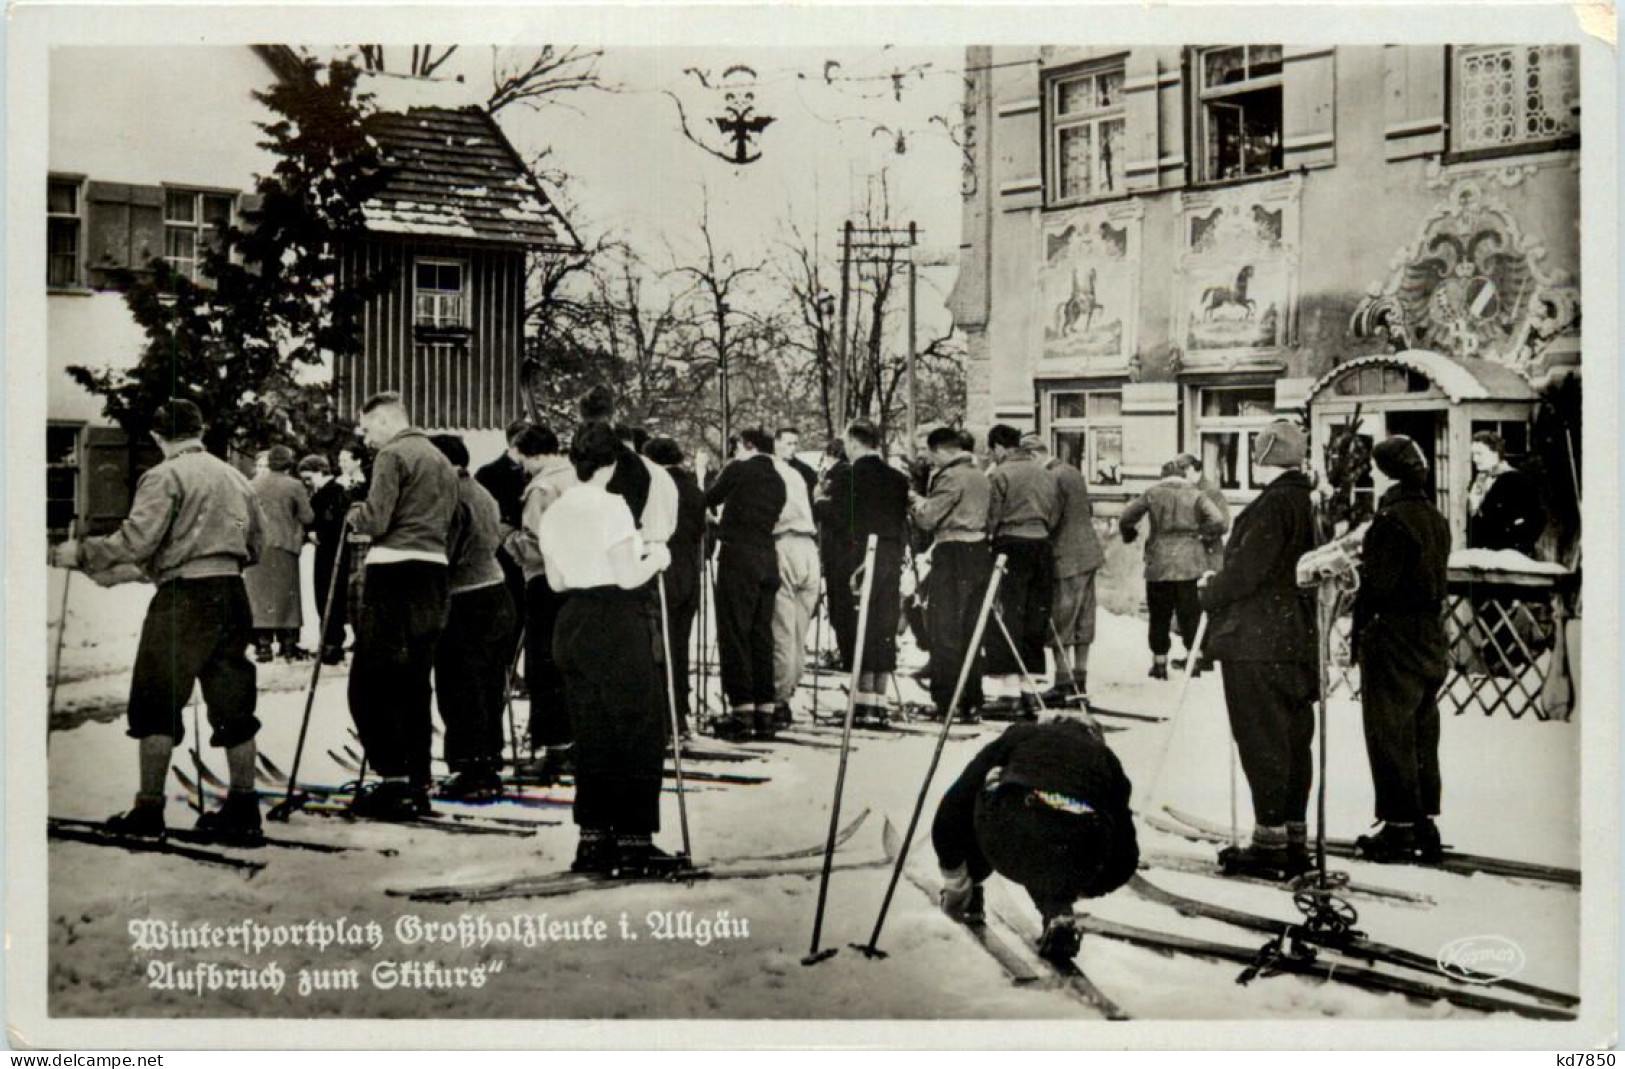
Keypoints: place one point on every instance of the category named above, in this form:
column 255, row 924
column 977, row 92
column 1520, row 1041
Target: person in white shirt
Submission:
column 603, row 644
column 795, row 538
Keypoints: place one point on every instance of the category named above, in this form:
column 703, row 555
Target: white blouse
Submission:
column 576, row 534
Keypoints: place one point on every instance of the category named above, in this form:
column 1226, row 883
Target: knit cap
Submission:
column 1282, row 444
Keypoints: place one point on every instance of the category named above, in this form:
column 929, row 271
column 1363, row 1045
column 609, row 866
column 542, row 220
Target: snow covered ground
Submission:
column 1511, row 790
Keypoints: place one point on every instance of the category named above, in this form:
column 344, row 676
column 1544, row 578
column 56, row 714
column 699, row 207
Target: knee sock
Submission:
column 156, row 751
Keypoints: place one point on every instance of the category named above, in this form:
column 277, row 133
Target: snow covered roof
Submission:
column 1460, row 378
column 456, row 176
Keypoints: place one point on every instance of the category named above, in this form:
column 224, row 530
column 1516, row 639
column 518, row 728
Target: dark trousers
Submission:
column 1272, row 715
column 1024, row 605
column 958, row 583
column 402, row 614
column 841, row 602
column 604, row 647
column 747, row 582
column 1165, row 601
column 1401, row 711
column 470, row 675
column 549, row 706
column 513, row 578
column 885, row 607
column 196, row 632
column 329, row 560
column 682, row 604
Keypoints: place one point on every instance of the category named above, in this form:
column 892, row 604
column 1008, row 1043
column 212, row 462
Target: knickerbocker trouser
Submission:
column 196, row 632
column 1272, row 714
column 958, row 582
column 402, row 614
column 1166, row 600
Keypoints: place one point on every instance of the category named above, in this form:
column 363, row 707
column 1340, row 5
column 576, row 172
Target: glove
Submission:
column 65, row 555
column 1129, row 534
column 658, row 556
column 957, row 887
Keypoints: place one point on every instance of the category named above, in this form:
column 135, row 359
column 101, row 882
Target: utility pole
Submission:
column 722, row 375
column 879, row 246
column 913, row 396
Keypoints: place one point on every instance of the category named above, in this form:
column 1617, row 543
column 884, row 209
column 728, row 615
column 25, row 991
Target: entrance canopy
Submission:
column 1458, row 378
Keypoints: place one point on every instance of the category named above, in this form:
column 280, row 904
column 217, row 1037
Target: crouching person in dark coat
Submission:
column 1404, row 655
column 193, row 527
column 1262, row 631
column 1045, row 805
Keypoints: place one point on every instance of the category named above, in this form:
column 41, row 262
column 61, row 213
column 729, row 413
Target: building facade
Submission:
column 452, row 229
column 1164, row 248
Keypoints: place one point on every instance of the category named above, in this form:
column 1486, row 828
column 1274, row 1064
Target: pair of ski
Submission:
column 547, row 885
column 1200, row 830
column 998, row 934
column 176, row 842
column 351, row 761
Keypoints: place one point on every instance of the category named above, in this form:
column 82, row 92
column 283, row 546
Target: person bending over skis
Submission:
column 1045, row 805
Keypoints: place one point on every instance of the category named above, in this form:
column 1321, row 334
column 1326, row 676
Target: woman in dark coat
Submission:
column 1503, row 504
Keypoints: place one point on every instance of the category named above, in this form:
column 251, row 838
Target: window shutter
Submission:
column 125, row 228
column 1173, row 165
column 111, row 468
column 1309, row 104
column 1140, row 114
column 1414, row 79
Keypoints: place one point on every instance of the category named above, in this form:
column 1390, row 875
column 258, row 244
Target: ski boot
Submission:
column 1266, row 861
column 389, row 800
column 1394, row 844
column 763, row 725
column 782, row 717
column 734, row 727
column 264, row 653
column 961, row 897
column 479, row 783
column 1061, row 939
column 145, row 819
column 871, row 716
column 1429, row 848
column 332, row 655
column 1159, row 668
column 596, row 853
column 641, row 859
column 1030, row 706
column 236, row 822
column 1059, row 694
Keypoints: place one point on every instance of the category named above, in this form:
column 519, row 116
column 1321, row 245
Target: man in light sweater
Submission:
column 407, row 514
column 795, row 537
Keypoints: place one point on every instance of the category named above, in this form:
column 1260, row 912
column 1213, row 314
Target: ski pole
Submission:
column 1193, row 655
column 676, row 724
column 56, row 660
column 1015, row 651
column 1064, row 651
column 815, row 955
column 197, row 755
column 872, row 949
column 292, row 802
column 818, row 652
column 507, row 692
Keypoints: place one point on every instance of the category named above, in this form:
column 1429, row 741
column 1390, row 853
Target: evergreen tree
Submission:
column 246, row 341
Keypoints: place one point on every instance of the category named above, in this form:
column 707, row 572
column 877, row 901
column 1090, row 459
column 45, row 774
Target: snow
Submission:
column 1456, row 380
column 1510, row 790
column 1503, row 560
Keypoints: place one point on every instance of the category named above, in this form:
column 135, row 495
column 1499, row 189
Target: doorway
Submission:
column 1427, row 429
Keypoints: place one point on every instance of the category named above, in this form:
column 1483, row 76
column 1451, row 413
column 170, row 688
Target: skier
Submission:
column 1078, row 557
column 551, row 474
column 193, row 526
column 1400, row 639
column 472, row 657
column 1045, row 805
column 273, row 581
column 683, row 577
column 751, row 494
column 1183, row 521
column 954, row 513
column 506, row 479
column 407, row 514
column 786, row 440
column 328, row 503
column 870, row 497
column 835, row 554
column 592, row 550
column 1262, row 631
column 1024, row 510
column 795, row 539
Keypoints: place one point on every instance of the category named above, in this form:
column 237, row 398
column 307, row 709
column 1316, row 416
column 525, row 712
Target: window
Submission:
column 61, row 477
column 439, row 298
column 1514, row 96
column 193, row 223
column 1238, row 111
column 1228, row 419
column 1086, row 431
column 63, row 229
column 1086, row 135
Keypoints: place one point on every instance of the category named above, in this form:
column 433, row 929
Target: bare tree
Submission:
column 542, row 77
column 425, row 59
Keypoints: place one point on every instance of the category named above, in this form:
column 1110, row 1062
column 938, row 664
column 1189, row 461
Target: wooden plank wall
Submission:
column 458, row 385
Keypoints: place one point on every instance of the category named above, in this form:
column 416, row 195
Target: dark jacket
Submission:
column 687, row 540
column 476, row 532
column 1026, row 499
column 631, row 480
column 1511, row 515
column 1256, row 612
column 866, row 497
column 1076, row 544
column 1065, row 758
column 1404, row 568
column 955, row 508
column 1183, row 519
column 410, row 498
column 506, row 482
column 329, row 504
column 827, row 511
column 752, row 496
column 806, row 473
